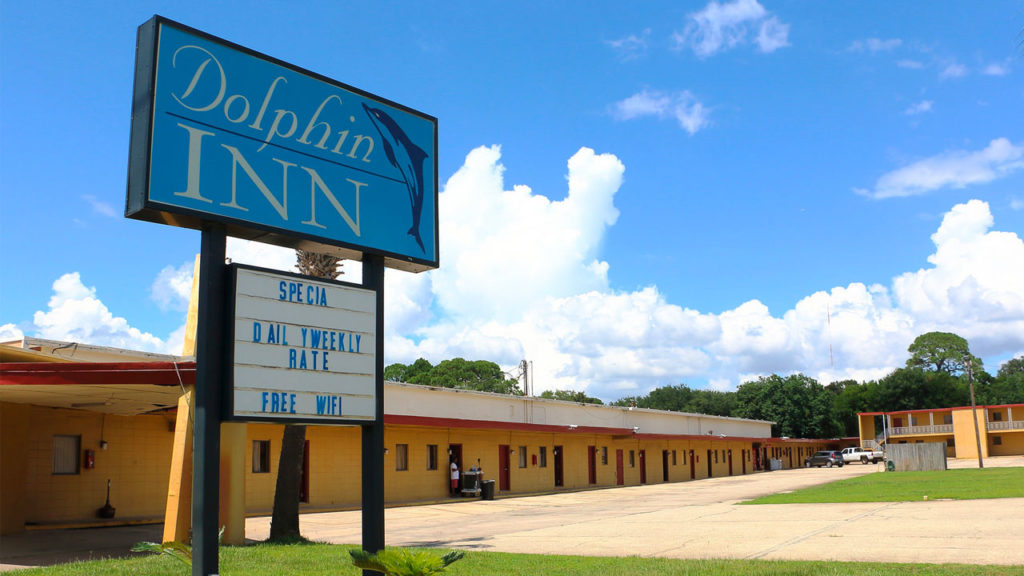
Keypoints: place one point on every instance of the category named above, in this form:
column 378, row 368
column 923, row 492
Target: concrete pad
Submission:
column 683, row 520
column 701, row 520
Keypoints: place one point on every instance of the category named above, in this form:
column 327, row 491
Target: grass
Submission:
column 323, row 559
column 961, row 484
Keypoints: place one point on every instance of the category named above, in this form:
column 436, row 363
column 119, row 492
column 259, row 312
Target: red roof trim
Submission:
column 107, row 373
column 936, row 410
column 715, row 437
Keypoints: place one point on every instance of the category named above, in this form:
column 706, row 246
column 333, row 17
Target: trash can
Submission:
column 487, row 489
column 890, row 465
column 470, row 483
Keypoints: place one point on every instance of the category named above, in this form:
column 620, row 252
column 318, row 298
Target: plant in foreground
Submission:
column 401, row 562
column 178, row 550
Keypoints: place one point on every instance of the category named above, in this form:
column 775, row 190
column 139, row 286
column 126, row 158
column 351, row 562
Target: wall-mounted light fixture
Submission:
column 636, row 429
column 385, row 451
column 103, row 444
column 573, row 426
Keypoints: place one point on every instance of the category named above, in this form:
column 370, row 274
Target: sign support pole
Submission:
column 209, row 385
column 373, row 434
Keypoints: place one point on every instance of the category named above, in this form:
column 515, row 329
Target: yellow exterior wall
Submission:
column 963, row 431
column 1013, row 442
column 137, row 462
column 14, row 449
column 415, row 483
column 867, row 428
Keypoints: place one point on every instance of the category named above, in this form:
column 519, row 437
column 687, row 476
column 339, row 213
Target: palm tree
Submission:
column 284, row 523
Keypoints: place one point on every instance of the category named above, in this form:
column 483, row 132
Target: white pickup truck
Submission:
column 862, row 455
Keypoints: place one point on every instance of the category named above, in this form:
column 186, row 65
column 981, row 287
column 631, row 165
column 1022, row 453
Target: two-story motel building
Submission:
column 998, row 429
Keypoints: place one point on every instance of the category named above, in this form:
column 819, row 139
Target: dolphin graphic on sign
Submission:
column 405, row 156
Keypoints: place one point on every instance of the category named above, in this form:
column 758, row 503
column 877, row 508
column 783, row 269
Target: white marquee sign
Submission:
column 304, row 349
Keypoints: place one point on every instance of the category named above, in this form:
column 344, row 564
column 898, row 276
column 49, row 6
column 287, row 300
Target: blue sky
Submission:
column 682, row 192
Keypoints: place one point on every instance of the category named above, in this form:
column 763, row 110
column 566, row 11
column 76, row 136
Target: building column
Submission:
column 232, row 482
column 178, row 513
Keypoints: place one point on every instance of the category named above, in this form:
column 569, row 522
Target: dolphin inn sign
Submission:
column 233, row 142
column 279, row 154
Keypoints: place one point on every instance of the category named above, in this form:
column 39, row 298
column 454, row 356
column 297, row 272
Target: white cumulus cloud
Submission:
column 683, row 107
column 996, row 69
column 953, row 70
column 632, row 46
column 723, row 26
column 975, row 286
column 919, row 108
column 173, row 287
column 506, row 250
column 76, row 314
column 504, row 296
column 523, row 278
column 957, row 169
column 9, row 332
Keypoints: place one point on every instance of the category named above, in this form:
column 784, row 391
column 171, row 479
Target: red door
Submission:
column 504, row 478
column 592, row 464
column 730, row 462
column 743, row 460
column 620, row 478
column 304, row 486
column 559, row 470
column 643, row 467
column 454, row 455
column 710, row 474
column 693, row 467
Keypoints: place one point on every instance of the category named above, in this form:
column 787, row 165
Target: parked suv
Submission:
column 828, row 458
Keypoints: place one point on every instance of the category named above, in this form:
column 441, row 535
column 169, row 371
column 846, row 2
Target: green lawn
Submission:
column 961, row 484
column 324, row 559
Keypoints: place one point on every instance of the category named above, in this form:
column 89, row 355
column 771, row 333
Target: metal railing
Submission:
column 915, row 430
column 1011, row 425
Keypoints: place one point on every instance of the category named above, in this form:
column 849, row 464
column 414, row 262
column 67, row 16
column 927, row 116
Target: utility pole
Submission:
column 974, row 411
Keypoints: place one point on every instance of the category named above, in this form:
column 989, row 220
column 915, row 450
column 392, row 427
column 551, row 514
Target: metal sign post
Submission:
column 209, row 382
column 373, row 434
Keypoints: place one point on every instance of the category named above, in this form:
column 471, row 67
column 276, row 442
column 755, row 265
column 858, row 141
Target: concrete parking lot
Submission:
column 682, row 520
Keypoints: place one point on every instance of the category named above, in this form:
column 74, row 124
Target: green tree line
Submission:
column 936, row 375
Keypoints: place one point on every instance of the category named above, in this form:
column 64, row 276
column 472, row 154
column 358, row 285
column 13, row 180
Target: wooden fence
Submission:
column 910, row 457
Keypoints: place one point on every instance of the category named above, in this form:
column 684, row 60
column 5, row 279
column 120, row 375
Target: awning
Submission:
column 123, row 388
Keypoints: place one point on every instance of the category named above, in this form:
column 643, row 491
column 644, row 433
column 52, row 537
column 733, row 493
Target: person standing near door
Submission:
column 455, row 478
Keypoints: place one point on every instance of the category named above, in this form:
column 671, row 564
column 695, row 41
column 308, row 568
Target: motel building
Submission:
column 1000, row 429
column 76, row 418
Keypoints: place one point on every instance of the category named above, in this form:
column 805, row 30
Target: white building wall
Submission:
column 413, row 400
